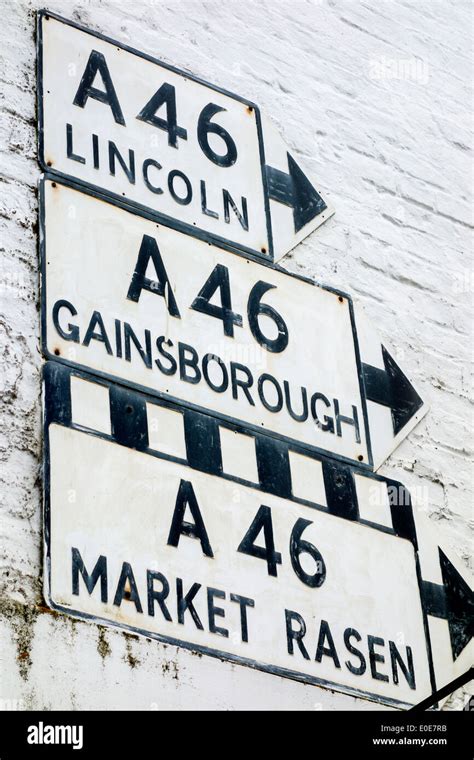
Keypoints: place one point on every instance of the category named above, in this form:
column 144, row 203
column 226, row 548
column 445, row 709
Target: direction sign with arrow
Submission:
column 190, row 376
column 391, row 388
column 214, row 329
column 448, row 601
column 453, row 601
column 394, row 406
column 190, row 530
column 296, row 191
column 137, row 129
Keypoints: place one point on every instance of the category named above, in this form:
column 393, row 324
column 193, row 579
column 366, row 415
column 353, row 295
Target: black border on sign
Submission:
column 90, row 191
column 222, row 655
column 156, row 215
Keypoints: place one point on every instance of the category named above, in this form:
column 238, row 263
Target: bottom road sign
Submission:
column 168, row 523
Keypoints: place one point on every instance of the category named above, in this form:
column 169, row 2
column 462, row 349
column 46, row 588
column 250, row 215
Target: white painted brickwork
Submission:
column 373, row 99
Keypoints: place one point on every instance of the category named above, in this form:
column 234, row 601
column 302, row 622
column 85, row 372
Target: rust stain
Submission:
column 103, row 646
column 129, row 656
column 42, row 608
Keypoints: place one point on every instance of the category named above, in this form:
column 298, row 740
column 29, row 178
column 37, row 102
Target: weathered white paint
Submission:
column 385, row 127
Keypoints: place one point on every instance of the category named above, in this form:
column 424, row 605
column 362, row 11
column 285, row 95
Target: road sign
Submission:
column 292, row 564
column 129, row 298
column 138, row 129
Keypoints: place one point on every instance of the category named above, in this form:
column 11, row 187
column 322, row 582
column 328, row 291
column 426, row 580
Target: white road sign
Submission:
column 138, row 129
column 212, row 420
column 320, row 584
column 135, row 300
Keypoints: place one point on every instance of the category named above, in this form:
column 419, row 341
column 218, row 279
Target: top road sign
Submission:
column 161, row 140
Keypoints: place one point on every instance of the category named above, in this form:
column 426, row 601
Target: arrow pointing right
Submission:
column 295, row 190
column 295, row 203
column 454, row 602
column 390, row 387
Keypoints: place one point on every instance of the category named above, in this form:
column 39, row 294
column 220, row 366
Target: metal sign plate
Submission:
column 140, row 130
column 318, row 582
column 128, row 298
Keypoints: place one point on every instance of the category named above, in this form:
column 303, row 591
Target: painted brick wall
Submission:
column 372, row 98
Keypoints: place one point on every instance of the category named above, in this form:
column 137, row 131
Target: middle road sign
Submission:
column 127, row 298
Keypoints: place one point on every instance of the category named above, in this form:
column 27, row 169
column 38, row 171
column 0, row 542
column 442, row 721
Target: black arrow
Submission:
column 294, row 189
column 391, row 388
column 454, row 602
